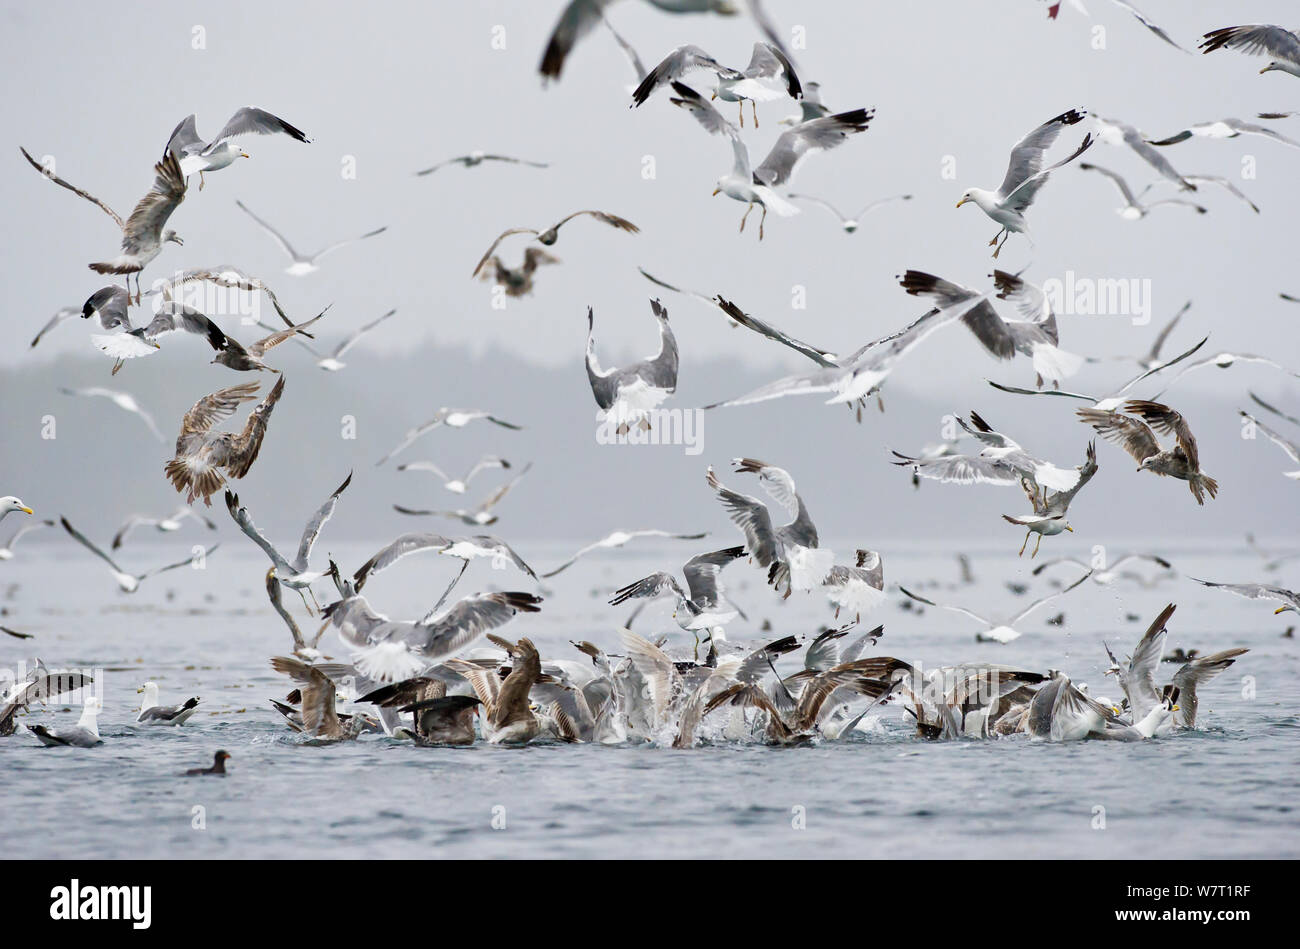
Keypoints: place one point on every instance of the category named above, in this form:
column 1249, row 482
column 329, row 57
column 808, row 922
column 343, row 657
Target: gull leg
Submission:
column 741, row 103
column 1036, row 546
column 696, row 654
column 442, row 599
column 995, row 237
column 753, row 111
column 743, row 219
column 760, row 222
column 1024, row 545
column 201, row 181
column 998, row 250
column 303, row 596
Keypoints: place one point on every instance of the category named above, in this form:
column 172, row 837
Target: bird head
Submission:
column 11, row 503
column 966, row 196
column 1285, row 607
column 172, row 236
column 717, row 187
column 1068, row 528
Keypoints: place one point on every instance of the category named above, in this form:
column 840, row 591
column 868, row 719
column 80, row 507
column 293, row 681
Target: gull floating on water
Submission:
column 130, row 582
column 201, row 453
column 475, row 158
column 758, row 185
column 304, row 263
column 1134, row 209
column 1025, row 177
column 453, row 418
column 998, row 630
column 628, row 394
column 151, row 713
column 1260, row 39
column 456, row 485
column 123, row 400
column 85, row 734
column 196, row 155
column 1137, row 437
column 142, row 233
column 618, row 539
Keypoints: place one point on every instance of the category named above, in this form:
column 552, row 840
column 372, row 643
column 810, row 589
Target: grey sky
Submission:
column 400, row 85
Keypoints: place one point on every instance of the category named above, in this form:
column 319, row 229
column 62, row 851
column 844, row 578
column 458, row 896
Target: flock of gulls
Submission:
column 450, row 676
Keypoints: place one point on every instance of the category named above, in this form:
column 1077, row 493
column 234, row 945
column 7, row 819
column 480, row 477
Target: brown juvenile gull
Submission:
column 201, row 453
column 1137, row 437
column 510, row 719
column 142, row 233
column 234, row 355
column 552, row 233
column 517, row 281
column 304, row 263
column 320, row 717
column 627, row 395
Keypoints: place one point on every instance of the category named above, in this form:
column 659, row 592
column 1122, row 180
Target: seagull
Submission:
column 618, row 539
column 1003, row 454
column 456, row 485
column 998, row 631
column 85, row 734
column 1134, row 209
column 1025, row 177
column 552, row 233
column 39, row 685
column 1289, row 599
column 810, row 106
column 236, row 356
column 202, row 453
column 9, row 504
column 757, row 186
column 453, row 418
column 767, row 68
column 333, row 361
column 850, row 224
column 7, row 550
column 1036, row 336
column 196, row 155
column 1258, row 40
column 481, row 546
column 1291, row 448
column 130, row 582
column 475, row 158
column 627, row 395
column 510, row 719
column 790, row 552
column 859, row 588
column 1224, row 183
column 702, row 605
column 301, row 647
column 517, row 281
column 1152, row 357
column 480, row 516
column 1225, row 360
column 1137, row 437
column 1104, row 576
column 110, row 304
column 218, row 765
column 142, row 233
column 1048, row 518
column 123, row 400
column 1115, row 132
column 392, row 650
column 1225, row 128
column 62, row 314
column 171, row 522
column 320, row 717
column 151, row 713
column 303, row 263
column 296, row 574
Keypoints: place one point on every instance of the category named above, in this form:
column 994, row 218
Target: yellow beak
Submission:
column 245, row 155
column 1280, row 609
column 715, row 191
column 139, row 690
column 1069, row 528
column 26, row 510
column 962, row 201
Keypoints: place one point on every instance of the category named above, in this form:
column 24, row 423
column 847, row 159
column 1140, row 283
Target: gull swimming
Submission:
column 998, row 630
column 1025, row 177
column 1259, row 39
column 768, row 76
column 85, row 734
column 552, row 233
column 172, row 522
column 758, row 185
column 850, row 224
column 479, row 516
column 130, row 582
column 304, row 263
column 201, row 453
column 618, row 539
column 1137, row 437
column 1134, row 209
column 151, row 713
column 476, row 158
column 196, row 155
column 123, row 400
column 39, row 685
column 456, row 485
column 142, row 233
column 453, row 418
column 627, row 395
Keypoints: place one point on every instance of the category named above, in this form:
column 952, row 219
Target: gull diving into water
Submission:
column 452, row 418
column 552, row 233
column 998, row 630
column 768, row 76
column 1137, row 437
column 143, row 233
column 475, row 158
column 758, row 186
column 627, row 395
column 130, row 582
column 196, row 155
column 201, row 453
column 1259, row 39
column 1025, row 177
column 304, row 263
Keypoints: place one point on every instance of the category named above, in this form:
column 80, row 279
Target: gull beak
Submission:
column 1069, row 528
column 26, row 510
column 715, row 192
column 962, row 201
column 245, row 155
column 1174, row 709
column 1280, row 609
column 139, row 690
column 1115, row 709
column 1265, row 69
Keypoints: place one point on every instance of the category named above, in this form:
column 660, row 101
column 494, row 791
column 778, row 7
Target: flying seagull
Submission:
column 172, row 522
column 1226, row 360
column 453, row 418
column 110, row 304
column 481, row 515
column 702, row 605
column 1259, row 39
column 62, row 314
column 456, row 485
column 998, row 630
column 201, row 453
column 123, row 400
column 39, row 685
column 517, row 281
column 333, row 361
column 1224, row 183
column 1291, row 448
column 1050, row 507
column 130, row 582
column 758, row 185
column 303, row 263
column 768, row 76
column 196, row 155
column 1025, row 177
column 850, row 224
column 1134, row 209
column 552, row 233
column 618, row 539
column 236, row 356
column 1136, row 435
column 1115, row 132
column 476, row 158
column 1289, row 599
column 627, row 395
column 143, row 232
column 1225, row 128
column 7, row 549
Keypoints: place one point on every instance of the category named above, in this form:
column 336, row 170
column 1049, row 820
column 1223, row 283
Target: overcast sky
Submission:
column 393, row 87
